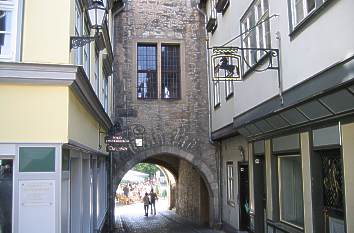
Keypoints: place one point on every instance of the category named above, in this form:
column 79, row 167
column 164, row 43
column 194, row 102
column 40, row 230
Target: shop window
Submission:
column 6, row 183
column 230, row 183
column 290, row 190
column 8, row 29
column 65, row 160
column 37, row 159
column 256, row 29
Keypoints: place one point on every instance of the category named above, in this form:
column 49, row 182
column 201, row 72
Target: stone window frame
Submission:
column 158, row 43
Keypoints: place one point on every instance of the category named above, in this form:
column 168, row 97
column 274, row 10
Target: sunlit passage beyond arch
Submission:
column 170, row 158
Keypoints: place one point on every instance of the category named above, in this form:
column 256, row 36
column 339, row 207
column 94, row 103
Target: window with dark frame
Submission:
column 170, row 72
column 147, row 72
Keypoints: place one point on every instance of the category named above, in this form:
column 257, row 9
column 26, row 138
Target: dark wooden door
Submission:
column 243, row 196
column 259, row 194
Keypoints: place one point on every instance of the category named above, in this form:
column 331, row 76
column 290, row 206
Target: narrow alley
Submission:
column 131, row 219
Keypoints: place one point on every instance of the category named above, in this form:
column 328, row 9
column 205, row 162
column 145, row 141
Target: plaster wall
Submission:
column 46, row 31
column 83, row 127
column 33, row 113
column 317, row 46
column 230, row 153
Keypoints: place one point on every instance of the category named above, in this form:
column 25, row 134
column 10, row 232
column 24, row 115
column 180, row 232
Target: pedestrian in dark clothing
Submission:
column 153, row 198
column 146, row 204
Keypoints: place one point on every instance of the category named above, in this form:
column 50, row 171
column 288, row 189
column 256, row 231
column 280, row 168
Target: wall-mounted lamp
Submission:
column 242, row 152
column 97, row 14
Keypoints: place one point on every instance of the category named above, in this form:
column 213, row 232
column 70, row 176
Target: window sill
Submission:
column 308, row 20
column 255, row 66
column 229, row 96
column 217, row 106
column 231, row 203
column 285, row 227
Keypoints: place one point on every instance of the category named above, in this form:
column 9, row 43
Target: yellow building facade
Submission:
column 56, row 109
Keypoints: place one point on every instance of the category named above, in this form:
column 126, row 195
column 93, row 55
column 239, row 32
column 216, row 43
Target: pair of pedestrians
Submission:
column 150, row 201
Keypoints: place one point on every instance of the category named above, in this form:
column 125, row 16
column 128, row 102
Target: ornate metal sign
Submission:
column 226, row 64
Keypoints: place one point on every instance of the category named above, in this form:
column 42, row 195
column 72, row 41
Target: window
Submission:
column 300, row 9
column 97, row 74
column 170, row 71
column 8, row 29
column 6, row 186
column 78, row 31
column 216, row 85
column 37, row 159
column 87, row 56
column 105, row 94
column 290, row 190
column 229, row 88
column 101, row 190
column 257, row 31
column 212, row 21
column 147, row 72
column 148, row 77
column 230, row 182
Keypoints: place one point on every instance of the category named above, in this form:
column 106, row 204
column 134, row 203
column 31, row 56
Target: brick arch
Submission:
column 202, row 167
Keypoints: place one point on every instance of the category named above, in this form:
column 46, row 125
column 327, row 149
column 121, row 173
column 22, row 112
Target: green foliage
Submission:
column 148, row 168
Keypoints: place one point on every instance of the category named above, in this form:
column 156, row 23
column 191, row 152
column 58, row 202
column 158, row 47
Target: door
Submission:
column 259, row 194
column 6, row 184
column 243, row 197
column 332, row 186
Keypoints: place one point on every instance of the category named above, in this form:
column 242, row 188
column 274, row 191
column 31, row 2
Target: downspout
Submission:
column 111, row 189
column 218, row 146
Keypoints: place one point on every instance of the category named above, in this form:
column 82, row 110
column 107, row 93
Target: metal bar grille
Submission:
column 147, row 72
column 170, row 72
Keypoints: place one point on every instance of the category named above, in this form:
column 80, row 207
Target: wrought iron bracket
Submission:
column 80, row 41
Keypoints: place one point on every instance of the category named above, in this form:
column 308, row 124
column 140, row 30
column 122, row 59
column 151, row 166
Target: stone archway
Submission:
column 196, row 161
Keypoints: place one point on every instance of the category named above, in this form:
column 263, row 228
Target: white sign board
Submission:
column 37, row 206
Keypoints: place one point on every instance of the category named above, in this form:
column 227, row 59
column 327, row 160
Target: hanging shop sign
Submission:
column 116, row 148
column 226, row 64
column 116, row 140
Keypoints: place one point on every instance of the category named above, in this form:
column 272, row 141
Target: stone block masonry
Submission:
column 176, row 128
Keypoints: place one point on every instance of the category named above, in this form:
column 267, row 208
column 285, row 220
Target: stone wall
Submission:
column 172, row 127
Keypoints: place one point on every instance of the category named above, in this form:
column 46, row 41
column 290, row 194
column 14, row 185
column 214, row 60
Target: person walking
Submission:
column 153, row 198
column 146, row 204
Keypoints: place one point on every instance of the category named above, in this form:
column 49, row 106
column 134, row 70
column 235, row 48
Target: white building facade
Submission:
column 285, row 134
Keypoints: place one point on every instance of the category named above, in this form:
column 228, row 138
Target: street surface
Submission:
column 131, row 219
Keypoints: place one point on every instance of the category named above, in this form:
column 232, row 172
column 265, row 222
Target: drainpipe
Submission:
column 111, row 189
column 218, row 155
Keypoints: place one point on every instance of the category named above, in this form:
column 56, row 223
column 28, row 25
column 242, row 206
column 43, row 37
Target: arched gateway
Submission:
column 168, row 157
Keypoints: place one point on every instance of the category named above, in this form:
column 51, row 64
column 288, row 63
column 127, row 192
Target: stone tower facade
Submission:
column 176, row 130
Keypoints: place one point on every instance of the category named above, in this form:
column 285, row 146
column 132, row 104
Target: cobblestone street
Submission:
column 131, row 219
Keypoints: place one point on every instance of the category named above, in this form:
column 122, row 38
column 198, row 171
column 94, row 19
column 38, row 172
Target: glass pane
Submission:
column 5, row 33
column 299, row 9
column 6, row 178
column 291, row 202
column 170, row 71
column 310, row 5
column 37, row 159
column 65, row 160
